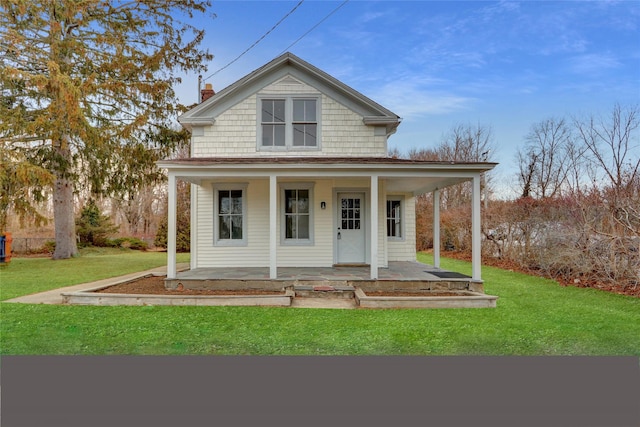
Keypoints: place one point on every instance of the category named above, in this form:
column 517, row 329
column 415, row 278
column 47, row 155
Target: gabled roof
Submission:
column 289, row 64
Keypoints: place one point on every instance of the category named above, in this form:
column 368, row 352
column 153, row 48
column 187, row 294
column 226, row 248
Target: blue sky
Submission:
column 506, row 65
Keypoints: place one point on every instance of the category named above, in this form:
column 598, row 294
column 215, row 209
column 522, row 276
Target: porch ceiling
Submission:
column 421, row 185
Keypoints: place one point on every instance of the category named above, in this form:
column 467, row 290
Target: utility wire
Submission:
column 259, row 40
column 315, row 26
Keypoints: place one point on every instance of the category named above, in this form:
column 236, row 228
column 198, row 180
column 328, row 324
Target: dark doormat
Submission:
column 448, row 275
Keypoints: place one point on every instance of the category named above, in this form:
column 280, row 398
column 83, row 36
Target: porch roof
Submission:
column 401, row 175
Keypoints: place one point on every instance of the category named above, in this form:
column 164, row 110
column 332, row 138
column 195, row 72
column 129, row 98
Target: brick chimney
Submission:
column 207, row 92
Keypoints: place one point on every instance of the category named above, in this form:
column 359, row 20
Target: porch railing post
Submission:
column 476, row 242
column 273, row 234
column 171, row 228
column 374, row 227
column 436, row 228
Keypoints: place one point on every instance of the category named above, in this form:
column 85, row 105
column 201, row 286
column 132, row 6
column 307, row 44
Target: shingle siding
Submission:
column 234, row 133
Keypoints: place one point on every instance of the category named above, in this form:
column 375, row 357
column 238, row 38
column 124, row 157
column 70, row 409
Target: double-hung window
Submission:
column 297, row 214
column 230, row 223
column 394, row 218
column 289, row 123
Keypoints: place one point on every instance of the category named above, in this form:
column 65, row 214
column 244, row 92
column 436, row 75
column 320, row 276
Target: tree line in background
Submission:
column 577, row 216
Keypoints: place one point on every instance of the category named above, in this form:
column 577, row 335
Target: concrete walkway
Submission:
column 55, row 296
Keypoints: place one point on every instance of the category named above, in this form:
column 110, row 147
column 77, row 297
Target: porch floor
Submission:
column 397, row 271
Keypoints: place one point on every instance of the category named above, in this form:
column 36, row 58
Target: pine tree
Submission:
column 92, row 226
column 22, row 185
column 78, row 80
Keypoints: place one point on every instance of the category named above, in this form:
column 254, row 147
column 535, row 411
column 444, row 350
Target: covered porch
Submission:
column 377, row 177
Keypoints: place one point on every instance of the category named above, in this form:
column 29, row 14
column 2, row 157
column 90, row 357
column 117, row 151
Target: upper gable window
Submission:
column 289, row 123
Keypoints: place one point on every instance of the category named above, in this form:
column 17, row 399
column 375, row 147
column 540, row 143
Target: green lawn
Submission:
column 534, row 317
column 24, row 276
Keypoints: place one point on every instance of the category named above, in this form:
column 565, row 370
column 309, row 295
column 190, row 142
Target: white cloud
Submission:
column 371, row 16
column 412, row 97
column 593, row 63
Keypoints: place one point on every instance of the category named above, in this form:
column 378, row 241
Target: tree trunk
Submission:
column 63, row 212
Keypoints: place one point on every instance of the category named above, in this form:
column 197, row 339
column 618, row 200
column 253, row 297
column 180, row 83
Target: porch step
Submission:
column 324, row 291
column 311, row 302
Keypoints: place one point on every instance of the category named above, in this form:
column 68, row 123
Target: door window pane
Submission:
column 350, row 213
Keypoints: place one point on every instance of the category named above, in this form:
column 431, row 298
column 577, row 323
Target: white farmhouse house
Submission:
column 289, row 168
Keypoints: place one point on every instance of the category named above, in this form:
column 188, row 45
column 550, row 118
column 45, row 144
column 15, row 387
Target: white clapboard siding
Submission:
column 257, row 248
column 320, row 253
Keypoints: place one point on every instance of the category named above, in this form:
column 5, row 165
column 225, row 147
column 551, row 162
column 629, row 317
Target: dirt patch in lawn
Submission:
column 154, row 285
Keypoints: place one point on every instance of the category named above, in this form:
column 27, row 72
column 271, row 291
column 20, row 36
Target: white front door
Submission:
column 350, row 233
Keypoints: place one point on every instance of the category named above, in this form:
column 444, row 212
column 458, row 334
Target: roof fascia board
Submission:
column 202, row 175
column 367, row 167
column 322, row 173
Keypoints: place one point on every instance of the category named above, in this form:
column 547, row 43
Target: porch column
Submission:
column 374, row 227
column 273, row 232
column 436, row 228
column 476, row 242
column 171, row 228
